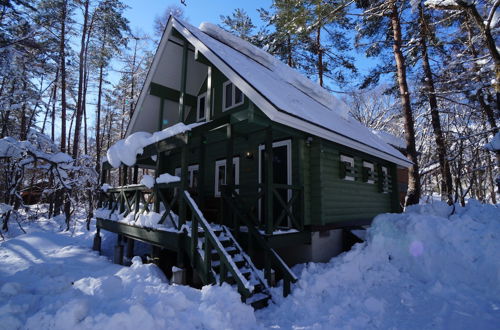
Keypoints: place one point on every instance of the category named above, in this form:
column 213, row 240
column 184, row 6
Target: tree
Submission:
column 383, row 18
column 239, row 23
column 160, row 22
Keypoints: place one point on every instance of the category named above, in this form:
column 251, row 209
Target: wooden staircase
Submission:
column 217, row 257
column 242, row 265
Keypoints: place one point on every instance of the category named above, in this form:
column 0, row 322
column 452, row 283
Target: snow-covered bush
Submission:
column 36, row 166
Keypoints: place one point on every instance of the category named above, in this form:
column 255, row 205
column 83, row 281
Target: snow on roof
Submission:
column 125, row 151
column 390, row 139
column 288, row 74
column 282, row 93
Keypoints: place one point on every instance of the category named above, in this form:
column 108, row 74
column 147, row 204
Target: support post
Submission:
column 118, row 255
column 130, row 248
column 229, row 174
column 182, row 105
column 269, row 182
column 201, row 173
column 96, row 246
column 160, row 114
column 184, row 183
column 208, row 104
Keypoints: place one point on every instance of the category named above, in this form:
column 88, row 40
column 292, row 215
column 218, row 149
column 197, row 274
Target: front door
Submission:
column 282, row 174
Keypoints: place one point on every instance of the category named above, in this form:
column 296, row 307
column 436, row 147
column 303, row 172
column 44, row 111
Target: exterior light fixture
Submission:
column 249, row 155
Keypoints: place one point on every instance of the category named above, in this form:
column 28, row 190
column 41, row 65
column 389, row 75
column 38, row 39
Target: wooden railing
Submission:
column 287, row 199
column 212, row 242
column 139, row 199
column 256, row 239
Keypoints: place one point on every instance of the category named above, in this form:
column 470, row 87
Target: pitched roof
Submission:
column 283, row 94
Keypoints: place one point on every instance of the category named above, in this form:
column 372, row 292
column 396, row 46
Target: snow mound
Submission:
column 426, row 268
column 125, row 151
column 46, row 282
column 294, row 78
column 167, row 178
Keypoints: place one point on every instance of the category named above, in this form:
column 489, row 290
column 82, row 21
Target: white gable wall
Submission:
column 166, row 70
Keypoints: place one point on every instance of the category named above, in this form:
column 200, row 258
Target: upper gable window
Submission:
column 201, row 113
column 232, row 96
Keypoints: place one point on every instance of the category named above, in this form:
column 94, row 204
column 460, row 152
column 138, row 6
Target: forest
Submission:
column 72, row 70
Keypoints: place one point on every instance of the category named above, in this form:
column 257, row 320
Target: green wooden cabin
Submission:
column 268, row 157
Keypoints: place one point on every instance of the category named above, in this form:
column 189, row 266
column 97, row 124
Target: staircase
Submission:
column 217, row 257
column 243, row 267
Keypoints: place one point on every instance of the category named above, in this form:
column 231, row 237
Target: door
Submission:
column 282, row 174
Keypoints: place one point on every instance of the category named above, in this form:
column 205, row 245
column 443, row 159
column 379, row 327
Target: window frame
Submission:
column 233, row 96
column 350, row 160
column 371, row 166
column 204, row 118
column 222, row 162
column 191, row 169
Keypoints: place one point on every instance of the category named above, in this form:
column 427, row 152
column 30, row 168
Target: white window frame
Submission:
column 220, row 163
column 384, row 190
column 372, row 168
column 233, row 96
column 350, row 160
column 204, row 118
column 191, row 169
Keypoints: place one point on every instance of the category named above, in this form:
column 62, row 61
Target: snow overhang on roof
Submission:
column 283, row 94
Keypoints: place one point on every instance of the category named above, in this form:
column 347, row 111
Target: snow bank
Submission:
column 126, row 151
column 46, row 282
column 418, row 270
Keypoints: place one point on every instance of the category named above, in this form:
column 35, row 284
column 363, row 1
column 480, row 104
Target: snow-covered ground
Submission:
column 419, row 270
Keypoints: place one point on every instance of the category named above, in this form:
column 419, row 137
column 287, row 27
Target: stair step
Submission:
column 216, row 264
column 258, row 300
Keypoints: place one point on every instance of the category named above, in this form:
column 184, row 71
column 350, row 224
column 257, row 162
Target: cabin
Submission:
column 253, row 167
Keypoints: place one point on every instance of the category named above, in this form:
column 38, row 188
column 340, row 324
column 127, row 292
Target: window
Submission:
column 384, row 180
column 232, row 96
column 193, row 171
column 368, row 175
column 347, row 168
column 220, row 174
column 201, row 113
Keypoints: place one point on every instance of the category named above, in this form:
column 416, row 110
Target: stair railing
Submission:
column 272, row 259
column 211, row 240
column 132, row 199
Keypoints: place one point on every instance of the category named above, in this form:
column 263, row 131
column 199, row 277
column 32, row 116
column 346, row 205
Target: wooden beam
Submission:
column 184, row 184
column 269, row 200
column 229, row 169
column 171, row 94
column 160, row 114
column 208, row 103
column 182, row 105
column 199, row 57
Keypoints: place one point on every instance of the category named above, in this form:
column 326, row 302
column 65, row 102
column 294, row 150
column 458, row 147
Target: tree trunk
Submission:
column 79, row 101
column 98, row 122
column 320, row 56
column 62, row 49
column 446, row 180
column 413, row 194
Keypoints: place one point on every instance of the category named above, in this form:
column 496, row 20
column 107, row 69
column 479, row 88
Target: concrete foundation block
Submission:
column 178, row 276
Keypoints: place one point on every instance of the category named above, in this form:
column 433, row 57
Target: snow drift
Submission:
column 431, row 267
column 426, row 268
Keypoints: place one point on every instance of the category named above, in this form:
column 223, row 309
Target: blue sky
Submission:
column 142, row 12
